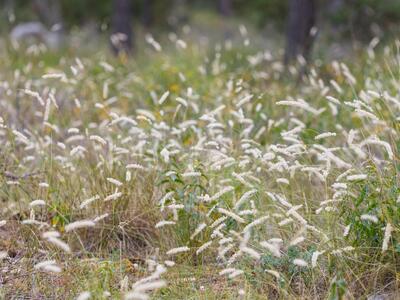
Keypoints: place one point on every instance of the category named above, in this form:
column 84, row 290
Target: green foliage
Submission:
column 361, row 17
column 376, row 197
column 338, row 289
column 76, row 12
column 350, row 16
column 261, row 12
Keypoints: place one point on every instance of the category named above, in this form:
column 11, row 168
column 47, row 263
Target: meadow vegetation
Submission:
column 195, row 172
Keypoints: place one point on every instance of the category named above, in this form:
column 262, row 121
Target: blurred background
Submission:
column 331, row 28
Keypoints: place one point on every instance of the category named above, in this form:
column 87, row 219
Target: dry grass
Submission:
column 242, row 182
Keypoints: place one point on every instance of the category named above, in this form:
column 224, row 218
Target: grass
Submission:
column 220, row 134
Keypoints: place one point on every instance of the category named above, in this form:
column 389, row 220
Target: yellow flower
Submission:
column 174, row 88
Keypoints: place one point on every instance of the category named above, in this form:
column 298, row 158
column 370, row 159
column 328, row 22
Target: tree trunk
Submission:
column 300, row 36
column 148, row 18
column 225, row 7
column 121, row 38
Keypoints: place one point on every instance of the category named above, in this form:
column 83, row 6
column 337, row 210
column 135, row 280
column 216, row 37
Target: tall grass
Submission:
column 214, row 161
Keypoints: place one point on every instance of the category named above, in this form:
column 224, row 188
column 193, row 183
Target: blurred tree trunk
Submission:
column 225, row 7
column 301, row 20
column 121, row 38
column 148, row 17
